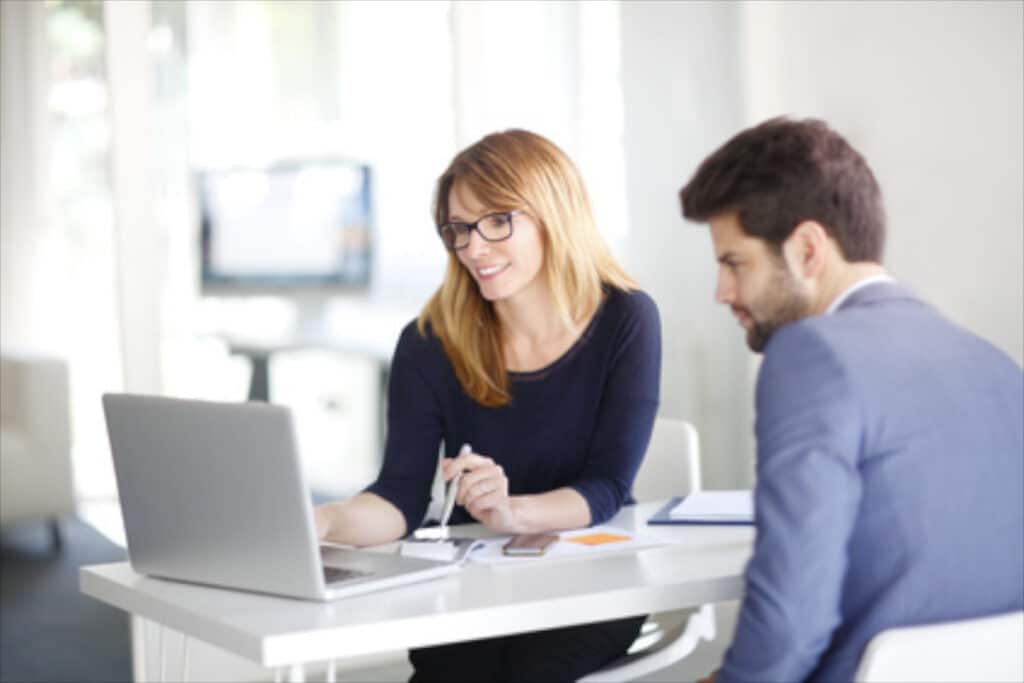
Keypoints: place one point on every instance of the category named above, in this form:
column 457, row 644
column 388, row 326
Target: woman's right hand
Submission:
column 483, row 491
column 322, row 521
column 365, row 519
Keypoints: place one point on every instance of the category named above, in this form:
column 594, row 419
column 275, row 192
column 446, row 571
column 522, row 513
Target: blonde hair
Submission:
column 516, row 169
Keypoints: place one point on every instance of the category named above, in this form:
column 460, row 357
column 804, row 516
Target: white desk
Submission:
column 704, row 564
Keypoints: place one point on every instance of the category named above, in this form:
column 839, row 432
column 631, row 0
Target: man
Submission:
column 890, row 442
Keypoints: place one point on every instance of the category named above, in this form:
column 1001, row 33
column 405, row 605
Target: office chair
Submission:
column 671, row 467
column 983, row 649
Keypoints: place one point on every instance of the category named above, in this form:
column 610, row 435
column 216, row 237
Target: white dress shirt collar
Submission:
column 860, row 284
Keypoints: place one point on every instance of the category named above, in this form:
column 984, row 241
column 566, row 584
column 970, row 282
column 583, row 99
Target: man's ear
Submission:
column 806, row 249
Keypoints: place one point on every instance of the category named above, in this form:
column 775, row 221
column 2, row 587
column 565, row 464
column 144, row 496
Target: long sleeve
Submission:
column 806, row 500
column 626, row 413
column 415, row 428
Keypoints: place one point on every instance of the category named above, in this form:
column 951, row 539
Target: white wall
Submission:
column 930, row 93
column 681, row 74
column 933, row 95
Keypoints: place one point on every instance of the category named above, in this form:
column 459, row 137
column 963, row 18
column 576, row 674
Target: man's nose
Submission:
column 725, row 292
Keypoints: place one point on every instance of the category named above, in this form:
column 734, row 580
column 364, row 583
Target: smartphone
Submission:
column 529, row 545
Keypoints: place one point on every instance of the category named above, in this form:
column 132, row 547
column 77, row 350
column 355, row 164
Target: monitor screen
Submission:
column 291, row 226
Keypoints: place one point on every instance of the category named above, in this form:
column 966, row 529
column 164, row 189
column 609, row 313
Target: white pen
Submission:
column 453, row 488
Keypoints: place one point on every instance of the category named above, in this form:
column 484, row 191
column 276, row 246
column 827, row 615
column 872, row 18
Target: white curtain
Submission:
column 553, row 68
column 28, row 271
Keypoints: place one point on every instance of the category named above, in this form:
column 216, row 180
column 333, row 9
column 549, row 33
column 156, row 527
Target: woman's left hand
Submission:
column 483, row 491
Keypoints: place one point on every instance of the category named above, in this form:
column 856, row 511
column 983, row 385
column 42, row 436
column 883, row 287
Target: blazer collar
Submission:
column 878, row 292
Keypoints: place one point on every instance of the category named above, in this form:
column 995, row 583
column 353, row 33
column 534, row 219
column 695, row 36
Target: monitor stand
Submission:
column 310, row 325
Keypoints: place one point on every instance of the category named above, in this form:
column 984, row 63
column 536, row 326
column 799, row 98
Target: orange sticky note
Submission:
column 597, row 539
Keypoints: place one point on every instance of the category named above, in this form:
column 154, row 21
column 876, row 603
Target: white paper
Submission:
column 450, row 550
column 716, row 506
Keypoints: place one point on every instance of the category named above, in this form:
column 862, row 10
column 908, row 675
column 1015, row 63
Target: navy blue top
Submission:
column 584, row 421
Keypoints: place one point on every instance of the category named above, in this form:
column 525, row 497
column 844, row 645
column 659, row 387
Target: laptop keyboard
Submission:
column 341, row 575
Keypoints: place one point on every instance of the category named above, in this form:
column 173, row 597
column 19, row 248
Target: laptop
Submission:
column 214, row 493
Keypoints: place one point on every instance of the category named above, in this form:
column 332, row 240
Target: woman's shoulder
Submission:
column 420, row 346
column 630, row 305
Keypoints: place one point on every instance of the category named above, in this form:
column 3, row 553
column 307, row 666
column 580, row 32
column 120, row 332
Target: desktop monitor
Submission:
column 292, row 227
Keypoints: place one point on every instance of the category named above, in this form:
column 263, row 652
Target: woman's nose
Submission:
column 477, row 246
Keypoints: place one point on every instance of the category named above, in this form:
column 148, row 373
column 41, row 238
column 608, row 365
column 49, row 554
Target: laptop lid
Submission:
column 214, row 493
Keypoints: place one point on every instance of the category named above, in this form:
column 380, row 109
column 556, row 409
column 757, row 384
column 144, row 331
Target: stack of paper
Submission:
column 722, row 507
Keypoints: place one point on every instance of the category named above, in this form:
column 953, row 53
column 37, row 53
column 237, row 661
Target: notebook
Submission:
column 214, row 493
column 708, row 507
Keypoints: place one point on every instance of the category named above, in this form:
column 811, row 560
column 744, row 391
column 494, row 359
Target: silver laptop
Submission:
column 214, row 493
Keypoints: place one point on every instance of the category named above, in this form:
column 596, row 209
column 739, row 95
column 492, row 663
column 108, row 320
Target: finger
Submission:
column 480, row 480
column 489, row 488
column 450, row 468
column 490, row 501
column 467, row 461
column 472, row 477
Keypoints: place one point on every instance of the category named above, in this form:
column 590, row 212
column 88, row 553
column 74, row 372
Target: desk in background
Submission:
column 703, row 564
column 331, row 365
column 356, row 326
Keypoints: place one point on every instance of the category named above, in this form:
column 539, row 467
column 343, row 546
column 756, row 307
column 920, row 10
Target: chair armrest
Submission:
column 35, row 398
column 675, row 646
column 35, row 409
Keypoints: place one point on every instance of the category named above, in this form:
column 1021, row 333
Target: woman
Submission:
column 538, row 351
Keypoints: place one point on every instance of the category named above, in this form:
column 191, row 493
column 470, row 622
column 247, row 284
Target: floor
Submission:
column 49, row 631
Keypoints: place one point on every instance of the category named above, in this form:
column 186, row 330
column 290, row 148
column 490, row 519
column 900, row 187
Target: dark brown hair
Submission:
column 782, row 172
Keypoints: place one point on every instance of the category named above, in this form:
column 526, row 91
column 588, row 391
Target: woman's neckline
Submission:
column 540, row 373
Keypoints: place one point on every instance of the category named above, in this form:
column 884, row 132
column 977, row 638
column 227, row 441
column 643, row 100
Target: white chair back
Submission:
column 984, row 649
column 671, row 466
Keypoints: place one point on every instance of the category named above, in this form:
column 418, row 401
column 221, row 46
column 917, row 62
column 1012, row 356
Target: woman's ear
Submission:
column 806, row 250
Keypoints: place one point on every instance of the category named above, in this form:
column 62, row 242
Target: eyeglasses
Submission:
column 493, row 227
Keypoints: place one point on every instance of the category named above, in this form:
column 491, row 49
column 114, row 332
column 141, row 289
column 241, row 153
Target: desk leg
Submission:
column 296, row 674
column 259, row 385
column 139, row 649
column 184, row 658
column 162, row 639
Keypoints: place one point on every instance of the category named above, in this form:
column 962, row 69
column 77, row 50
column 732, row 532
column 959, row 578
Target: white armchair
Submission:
column 35, row 440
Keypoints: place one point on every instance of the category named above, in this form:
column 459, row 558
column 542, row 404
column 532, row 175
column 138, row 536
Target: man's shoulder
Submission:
column 879, row 337
column 879, row 311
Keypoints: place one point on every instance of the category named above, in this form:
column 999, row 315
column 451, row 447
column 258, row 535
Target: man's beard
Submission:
column 782, row 303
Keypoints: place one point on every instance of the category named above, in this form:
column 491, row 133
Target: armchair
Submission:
column 35, row 440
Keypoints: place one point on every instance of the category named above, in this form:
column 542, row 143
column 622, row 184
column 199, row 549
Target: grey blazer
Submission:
column 890, row 486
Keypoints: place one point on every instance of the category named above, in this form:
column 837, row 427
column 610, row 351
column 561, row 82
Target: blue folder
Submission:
column 663, row 516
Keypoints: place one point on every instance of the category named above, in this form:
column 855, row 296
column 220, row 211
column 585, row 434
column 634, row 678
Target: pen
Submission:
column 449, row 498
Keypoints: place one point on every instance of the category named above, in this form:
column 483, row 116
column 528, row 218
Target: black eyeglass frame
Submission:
column 475, row 225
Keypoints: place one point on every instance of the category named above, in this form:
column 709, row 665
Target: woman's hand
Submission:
column 322, row 521
column 365, row 519
column 483, row 491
